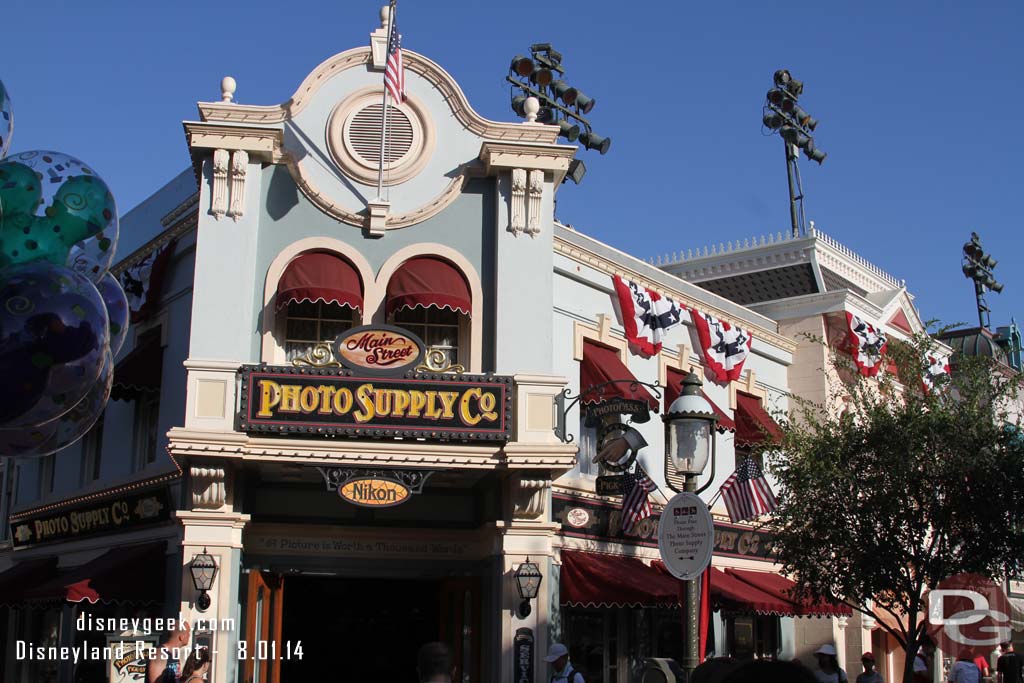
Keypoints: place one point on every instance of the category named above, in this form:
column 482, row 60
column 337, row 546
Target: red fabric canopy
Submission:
column 737, row 596
column 591, row 580
column 320, row 277
column 428, row 282
column 780, row 586
column 140, row 371
column 602, row 365
column 674, row 381
column 753, row 422
column 125, row 574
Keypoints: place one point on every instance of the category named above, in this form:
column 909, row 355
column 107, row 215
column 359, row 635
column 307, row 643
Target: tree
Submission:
column 901, row 489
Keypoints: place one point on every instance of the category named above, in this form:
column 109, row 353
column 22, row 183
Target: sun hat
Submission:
column 555, row 651
column 826, row 649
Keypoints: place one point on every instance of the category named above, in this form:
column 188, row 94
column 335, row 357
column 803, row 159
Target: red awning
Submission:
column 601, row 365
column 730, row 593
column 320, row 277
column 428, row 282
column 753, row 422
column 780, row 586
column 125, row 574
column 16, row 580
column 140, row 371
column 591, row 580
column 675, row 386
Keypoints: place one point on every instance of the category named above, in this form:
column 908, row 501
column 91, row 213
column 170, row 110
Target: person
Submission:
column 981, row 661
column 964, row 670
column 867, row 660
column 828, row 666
column 434, row 664
column 558, row 658
column 164, row 668
column 714, row 670
column 1009, row 667
column 922, row 672
column 197, row 666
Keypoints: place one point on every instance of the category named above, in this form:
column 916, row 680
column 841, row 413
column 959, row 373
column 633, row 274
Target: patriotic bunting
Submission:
column 646, row 315
column 725, row 347
column 143, row 281
column 867, row 344
column 937, row 368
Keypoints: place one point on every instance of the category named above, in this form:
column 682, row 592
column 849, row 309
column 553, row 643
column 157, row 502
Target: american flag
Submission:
column 394, row 73
column 746, row 492
column 635, row 504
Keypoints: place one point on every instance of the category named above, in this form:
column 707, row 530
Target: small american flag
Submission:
column 394, row 72
column 746, row 492
column 635, row 504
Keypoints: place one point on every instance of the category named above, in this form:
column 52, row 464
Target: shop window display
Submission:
column 313, row 322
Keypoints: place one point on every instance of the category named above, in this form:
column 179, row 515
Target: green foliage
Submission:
column 903, row 488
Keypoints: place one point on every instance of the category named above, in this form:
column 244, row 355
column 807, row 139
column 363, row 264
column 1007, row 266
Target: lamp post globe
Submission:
column 690, row 429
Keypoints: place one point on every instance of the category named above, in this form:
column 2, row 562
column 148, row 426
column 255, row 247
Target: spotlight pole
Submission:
column 790, row 168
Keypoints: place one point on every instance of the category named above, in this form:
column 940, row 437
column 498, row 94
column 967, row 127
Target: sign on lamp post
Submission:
column 686, row 535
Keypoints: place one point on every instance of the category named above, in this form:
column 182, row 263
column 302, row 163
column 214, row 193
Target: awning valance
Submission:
column 601, row 365
column 592, row 580
column 140, row 371
column 17, row 579
column 780, row 587
column 674, row 382
column 320, row 277
column 728, row 592
column 753, row 423
column 131, row 574
column 428, row 282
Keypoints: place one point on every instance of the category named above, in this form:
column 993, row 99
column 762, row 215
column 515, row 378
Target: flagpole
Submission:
column 384, row 108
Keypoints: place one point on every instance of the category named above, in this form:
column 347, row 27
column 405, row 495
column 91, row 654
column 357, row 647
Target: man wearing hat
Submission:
column 828, row 666
column 867, row 660
column 558, row 657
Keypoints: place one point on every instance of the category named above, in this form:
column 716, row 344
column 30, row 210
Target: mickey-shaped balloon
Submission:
column 51, row 203
column 6, row 121
column 117, row 310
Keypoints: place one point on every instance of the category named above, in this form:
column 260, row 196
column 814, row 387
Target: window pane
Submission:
column 331, row 329
column 301, row 330
column 335, row 312
column 305, row 309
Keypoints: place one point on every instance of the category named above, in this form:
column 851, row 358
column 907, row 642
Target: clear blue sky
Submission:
column 920, row 107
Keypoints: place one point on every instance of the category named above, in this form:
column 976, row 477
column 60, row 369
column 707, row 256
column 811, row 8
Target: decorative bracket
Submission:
column 530, row 498
column 239, row 165
column 336, row 477
column 209, row 487
column 517, row 220
column 219, row 200
column 597, row 393
column 536, row 191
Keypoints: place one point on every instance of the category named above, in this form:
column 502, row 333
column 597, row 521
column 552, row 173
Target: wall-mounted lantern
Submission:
column 528, row 578
column 204, row 571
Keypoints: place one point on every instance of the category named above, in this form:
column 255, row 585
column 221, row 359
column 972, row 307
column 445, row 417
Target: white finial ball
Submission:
column 531, row 106
column 384, row 11
column 227, row 88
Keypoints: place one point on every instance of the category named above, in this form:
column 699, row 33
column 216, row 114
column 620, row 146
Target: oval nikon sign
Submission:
column 376, row 493
column 379, row 349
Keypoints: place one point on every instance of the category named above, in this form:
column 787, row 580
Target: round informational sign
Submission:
column 686, row 536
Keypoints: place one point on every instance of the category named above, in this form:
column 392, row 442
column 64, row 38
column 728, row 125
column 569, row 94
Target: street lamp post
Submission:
column 689, row 445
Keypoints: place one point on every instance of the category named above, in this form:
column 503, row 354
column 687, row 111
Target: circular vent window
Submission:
column 354, row 138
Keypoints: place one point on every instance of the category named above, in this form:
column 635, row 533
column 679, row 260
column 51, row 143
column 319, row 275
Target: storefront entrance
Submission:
column 356, row 629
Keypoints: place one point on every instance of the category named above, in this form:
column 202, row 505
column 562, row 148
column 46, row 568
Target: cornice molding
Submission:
column 590, row 258
column 502, row 155
column 186, row 224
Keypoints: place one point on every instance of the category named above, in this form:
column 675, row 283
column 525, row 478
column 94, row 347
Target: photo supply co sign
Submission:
column 686, row 536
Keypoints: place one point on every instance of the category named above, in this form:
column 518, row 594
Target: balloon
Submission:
column 51, row 203
column 92, row 256
column 117, row 310
column 54, row 333
column 65, row 430
column 6, row 121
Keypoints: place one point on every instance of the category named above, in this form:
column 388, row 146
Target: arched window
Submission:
column 319, row 296
column 430, row 298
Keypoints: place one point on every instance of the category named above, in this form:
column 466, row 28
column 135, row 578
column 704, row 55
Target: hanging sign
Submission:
column 374, row 488
column 130, row 654
column 610, row 485
column 375, row 493
column 522, row 650
column 686, row 536
column 327, row 401
column 379, row 350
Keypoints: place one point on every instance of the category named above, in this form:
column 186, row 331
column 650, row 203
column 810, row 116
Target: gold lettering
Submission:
column 325, row 398
column 417, row 400
column 308, row 399
column 448, row 398
column 290, row 398
column 401, row 403
column 468, row 418
column 342, row 401
column 119, row 512
column 270, row 396
column 364, row 397
column 432, row 412
column 75, row 525
column 488, row 402
column 382, row 402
